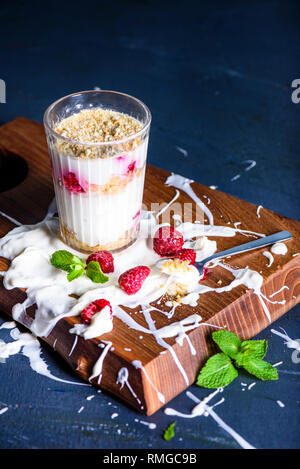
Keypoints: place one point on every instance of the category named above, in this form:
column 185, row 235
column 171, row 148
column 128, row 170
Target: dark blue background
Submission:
column 217, row 77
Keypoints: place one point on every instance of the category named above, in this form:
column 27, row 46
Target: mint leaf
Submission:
column 64, row 260
column 94, row 272
column 75, row 266
column 228, row 342
column 169, row 432
column 254, row 348
column 259, row 368
column 75, row 272
column 217, row 372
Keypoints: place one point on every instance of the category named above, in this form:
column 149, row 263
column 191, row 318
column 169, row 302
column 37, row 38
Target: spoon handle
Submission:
column 257, row 243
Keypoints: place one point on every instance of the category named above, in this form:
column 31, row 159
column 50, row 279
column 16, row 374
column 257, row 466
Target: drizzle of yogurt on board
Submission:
column 279, row 249
column 97, row 368
column 138, row 365
column 258, row 210
column 123, row 379
column 24, row 242
column 30, row 247
column 269, row 256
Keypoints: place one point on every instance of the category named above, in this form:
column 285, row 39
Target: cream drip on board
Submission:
column 29, row 346
column 279, row 249
column 30, row 247
column 97, row 368
column 269, row 256
column 138, row 365
column 123, row 379
column 191, row 298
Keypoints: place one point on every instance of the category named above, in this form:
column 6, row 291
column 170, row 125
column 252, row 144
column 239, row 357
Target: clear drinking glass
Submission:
column 98, row 186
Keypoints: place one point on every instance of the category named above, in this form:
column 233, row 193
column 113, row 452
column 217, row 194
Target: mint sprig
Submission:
column 260, row 368
column 75, row 272
column 65, row 260
column 94, row 272
column 228, row 342
column 254, row 348
column 75, row 267
column 169, row 432
column 219, row 369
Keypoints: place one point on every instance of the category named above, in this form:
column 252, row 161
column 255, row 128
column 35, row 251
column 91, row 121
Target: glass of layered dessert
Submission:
column 98, row 146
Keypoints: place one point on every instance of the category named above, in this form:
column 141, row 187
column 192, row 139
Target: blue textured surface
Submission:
column 217, row 77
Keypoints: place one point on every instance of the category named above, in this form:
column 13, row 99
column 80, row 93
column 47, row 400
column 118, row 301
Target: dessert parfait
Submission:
column 98, row 145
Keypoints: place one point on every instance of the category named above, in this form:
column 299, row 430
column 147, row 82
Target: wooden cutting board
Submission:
column 24, row 157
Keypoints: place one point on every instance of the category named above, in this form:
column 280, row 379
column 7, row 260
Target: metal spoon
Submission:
column 257, row 243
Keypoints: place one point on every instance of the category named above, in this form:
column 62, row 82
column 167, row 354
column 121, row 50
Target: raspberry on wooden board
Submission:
column 132, row 280
column 167, row 241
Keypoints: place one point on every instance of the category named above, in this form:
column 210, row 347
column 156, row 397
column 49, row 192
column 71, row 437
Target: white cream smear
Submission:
column 150, row 425
column 258, row 210
column 290, row 343
column 203, row 409
column 269, row 256
column 30, row 347
column 30, row 248
column 279, row 249
column 138, row 365
column 101, row 323
column 97, row 369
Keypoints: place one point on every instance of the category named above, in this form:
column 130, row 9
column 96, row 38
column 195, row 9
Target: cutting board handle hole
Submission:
column 13, row 170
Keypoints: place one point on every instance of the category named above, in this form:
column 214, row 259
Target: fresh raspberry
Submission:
column 186, row 255
column 71, row 182
column 167, row 241
column 105, row 259
column 132, row 280
column 93, row 308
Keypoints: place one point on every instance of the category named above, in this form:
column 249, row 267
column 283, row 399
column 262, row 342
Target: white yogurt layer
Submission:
column 100, row 214
column 98, row 218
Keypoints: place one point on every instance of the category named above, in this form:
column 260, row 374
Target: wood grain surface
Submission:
column 239, row 309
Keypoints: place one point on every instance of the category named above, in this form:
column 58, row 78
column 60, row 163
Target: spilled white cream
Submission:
column 258, row 211
column 101, row 323
column 138, row 365
column 97, row 368
column 269, row 256
column 29, row 346
column 290, row 343
column 123, row 380
column 279, row 249
column 204, row 247
column 150, row 425
column 203, row 409
column 30, row 248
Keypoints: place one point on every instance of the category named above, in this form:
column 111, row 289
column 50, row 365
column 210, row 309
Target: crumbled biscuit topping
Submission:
column 175, row 267
column 97, row 125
